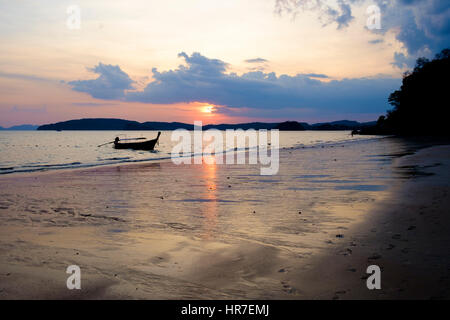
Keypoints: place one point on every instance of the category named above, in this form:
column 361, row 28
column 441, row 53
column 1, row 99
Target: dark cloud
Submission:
column 21, row 76
column 403, row 61
column 256, row 60
column 201, row 65
column 341, row 14
column 93, row 104
column 27, row 109
column 422, row 26
column 110, row 84
column 205, row 80
column 376, row 41
column 316, row 75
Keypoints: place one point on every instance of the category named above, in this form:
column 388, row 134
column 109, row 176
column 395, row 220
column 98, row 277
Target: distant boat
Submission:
column 144, row 145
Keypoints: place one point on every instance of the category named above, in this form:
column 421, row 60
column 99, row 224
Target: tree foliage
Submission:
column 421, row 104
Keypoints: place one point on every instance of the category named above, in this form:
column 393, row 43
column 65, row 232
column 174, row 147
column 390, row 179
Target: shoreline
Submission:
column 198, row 250
column 405, row 235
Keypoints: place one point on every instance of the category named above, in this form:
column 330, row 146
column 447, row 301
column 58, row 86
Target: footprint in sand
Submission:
column 337, row 293
column 375, row 256
column 288, row 289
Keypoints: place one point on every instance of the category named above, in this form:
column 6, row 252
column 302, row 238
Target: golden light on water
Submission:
column 210, row 208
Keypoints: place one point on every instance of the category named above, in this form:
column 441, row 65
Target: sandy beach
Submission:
column 162, row 231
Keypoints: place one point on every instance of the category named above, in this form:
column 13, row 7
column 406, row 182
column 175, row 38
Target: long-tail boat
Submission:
column 144, row 145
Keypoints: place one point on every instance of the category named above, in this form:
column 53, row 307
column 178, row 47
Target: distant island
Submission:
column 24, row 127
column 120, row 124
column 421, row 103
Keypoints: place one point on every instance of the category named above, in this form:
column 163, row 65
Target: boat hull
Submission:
column 146, row 145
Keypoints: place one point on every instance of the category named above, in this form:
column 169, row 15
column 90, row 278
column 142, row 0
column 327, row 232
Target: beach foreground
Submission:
column 161, row 231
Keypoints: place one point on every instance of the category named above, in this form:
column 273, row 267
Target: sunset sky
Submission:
column 216, row 61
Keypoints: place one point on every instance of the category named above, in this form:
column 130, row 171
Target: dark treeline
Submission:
column 120, row 124
column 421, row 103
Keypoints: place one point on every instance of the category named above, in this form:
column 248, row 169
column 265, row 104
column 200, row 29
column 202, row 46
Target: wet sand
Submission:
column 406, row 234
column 161, row 231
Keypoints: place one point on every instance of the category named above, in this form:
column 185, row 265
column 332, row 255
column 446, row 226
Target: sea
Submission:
column 30, row 151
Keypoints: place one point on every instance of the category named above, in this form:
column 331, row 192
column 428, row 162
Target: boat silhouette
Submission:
column 144, row 145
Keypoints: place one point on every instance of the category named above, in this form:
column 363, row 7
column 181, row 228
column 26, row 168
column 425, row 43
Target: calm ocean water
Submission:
column 28, row 151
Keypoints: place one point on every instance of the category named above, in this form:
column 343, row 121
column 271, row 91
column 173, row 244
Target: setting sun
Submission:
column 208, row 109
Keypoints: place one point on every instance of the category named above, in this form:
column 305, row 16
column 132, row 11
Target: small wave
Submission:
column 337, row 143
column 44, row 167
column 115, row 158
column 362, row 187
column 51, row 165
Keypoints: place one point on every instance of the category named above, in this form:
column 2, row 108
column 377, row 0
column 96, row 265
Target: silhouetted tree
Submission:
column 421, row 104
column 380, row 121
